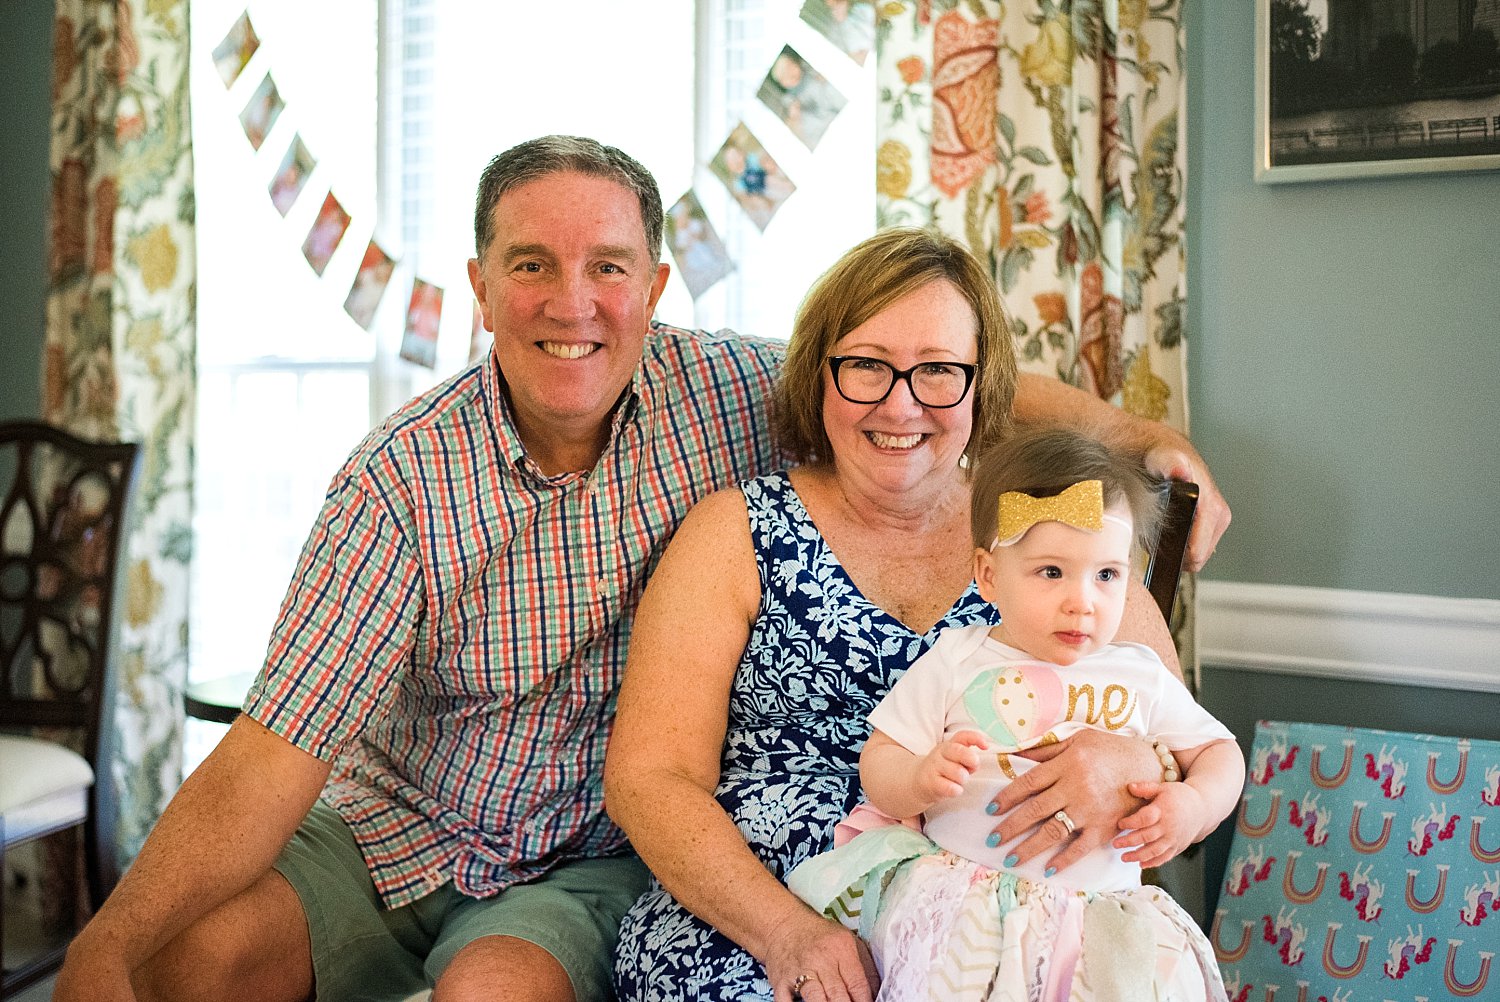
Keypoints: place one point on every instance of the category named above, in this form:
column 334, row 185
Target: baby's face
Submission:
column 1060, row 590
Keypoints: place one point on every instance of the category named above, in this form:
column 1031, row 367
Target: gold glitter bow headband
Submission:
column 1081, row 506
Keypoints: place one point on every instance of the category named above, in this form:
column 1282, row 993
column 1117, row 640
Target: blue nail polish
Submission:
column 1049, row 871
column 992, row 840
column 991, row 809
column 1012, row 859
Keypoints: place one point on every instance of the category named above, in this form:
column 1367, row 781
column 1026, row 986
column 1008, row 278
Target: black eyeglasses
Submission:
column 862, row 380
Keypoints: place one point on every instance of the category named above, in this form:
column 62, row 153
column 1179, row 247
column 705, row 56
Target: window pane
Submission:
column 266, row 320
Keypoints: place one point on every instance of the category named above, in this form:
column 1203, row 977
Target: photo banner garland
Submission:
column 291, row 176
column 326, row 233
column 423, row 312
column 801, row 97
column 792, row 90
column 231, row 56
column 695, row 245
column 849, row 26
column 806, row 103
column 374, row 275
column 261, row 112
column 753, row 177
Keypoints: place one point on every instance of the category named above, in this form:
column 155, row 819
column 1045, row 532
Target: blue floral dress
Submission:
column 820, row 657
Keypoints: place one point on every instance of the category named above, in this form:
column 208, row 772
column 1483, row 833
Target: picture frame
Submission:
column 1348, row 94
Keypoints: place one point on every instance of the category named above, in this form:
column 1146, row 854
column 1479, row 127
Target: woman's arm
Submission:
column 663, row 763
column 1143, row 624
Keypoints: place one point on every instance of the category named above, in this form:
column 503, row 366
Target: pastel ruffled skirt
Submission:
column 944, row 927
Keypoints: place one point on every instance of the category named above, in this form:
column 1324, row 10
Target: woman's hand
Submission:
column 1165, row 826
column 943, row 771
column 1085, row 776
column 837, row 964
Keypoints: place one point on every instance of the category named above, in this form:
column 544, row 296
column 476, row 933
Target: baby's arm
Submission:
column 1180, row 814
column 904, row 784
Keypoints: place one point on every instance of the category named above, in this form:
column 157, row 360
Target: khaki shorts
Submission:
column 365, row 953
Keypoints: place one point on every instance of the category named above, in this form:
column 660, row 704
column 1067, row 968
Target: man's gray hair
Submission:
column 537, row 158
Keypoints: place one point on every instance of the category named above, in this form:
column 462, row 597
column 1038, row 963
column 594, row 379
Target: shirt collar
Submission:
column 512, row 449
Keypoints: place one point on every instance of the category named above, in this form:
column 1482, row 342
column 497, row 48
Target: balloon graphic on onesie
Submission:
column 1015, row 705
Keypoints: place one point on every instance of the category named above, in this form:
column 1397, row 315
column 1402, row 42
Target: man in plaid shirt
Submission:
column 413, row 794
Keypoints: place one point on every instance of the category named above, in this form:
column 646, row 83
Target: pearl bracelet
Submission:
column 1169, row 773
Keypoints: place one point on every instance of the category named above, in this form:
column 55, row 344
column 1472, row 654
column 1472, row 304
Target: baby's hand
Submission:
column 1165, row 826
column 943, row 771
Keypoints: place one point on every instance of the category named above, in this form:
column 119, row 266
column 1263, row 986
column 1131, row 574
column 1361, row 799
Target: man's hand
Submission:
column 219, row 835
column 1212, row 516
column 1167, row 452
column 1086, row 776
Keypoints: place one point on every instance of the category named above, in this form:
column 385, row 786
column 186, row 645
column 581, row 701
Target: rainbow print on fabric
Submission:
column 1365, row 865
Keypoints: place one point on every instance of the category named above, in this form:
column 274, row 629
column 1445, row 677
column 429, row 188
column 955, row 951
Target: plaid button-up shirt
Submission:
column 456, row 629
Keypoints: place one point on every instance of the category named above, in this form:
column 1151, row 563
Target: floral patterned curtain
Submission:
column 1050, row 135
column 119, row 358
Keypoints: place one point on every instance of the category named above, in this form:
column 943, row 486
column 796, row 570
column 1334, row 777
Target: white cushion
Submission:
column 34, row 770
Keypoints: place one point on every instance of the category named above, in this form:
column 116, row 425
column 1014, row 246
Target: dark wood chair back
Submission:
column 1165, row 568
column 62, row 513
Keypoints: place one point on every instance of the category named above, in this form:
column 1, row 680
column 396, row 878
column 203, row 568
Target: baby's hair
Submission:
column 1045, row 461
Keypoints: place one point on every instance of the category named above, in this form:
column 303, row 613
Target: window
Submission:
column 401, row 103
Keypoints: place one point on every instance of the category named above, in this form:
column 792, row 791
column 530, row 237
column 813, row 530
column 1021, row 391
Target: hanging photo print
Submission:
column 751, row 176
column 848, row 24
column 369, row 285
column 480, row 339
column 291, row 176
column 260, row 114
column 697, row 249
column 235, row 51
column 800, row 96
column 419, row 343
column 327, row 230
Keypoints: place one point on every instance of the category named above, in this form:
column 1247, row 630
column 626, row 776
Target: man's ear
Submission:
column 480, row 287
column 663, row 270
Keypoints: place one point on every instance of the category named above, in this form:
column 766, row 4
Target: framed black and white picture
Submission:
column 1361, row 88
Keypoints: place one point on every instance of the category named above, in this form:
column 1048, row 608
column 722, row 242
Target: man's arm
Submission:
column 220, row 833
column 1167, row 452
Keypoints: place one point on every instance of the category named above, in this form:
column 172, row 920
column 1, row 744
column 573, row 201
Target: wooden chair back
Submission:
column 1165, row 567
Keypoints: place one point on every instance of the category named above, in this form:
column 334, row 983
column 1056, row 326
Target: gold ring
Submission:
column 1067, row 822
column 802, row 979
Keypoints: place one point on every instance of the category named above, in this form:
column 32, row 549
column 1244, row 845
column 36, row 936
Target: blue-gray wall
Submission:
column 1344, row 353
column 25, row 79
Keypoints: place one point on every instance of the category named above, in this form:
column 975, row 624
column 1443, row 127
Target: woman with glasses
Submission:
column 783, row 611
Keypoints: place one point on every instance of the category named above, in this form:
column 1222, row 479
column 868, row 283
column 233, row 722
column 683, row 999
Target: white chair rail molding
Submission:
column 1420, row 640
